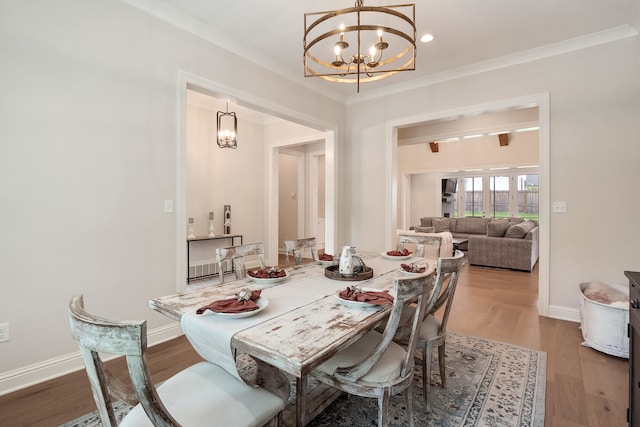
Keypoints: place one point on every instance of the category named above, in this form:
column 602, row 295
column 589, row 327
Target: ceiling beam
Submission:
column 434, row 147
column 504, row 139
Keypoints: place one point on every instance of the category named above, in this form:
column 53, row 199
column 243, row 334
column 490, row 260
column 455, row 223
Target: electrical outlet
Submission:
column 4, row 332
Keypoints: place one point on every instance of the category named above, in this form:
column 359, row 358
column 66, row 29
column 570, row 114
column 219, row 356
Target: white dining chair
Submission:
column 433, row 332
column 375, row 366
column 297, row 247
column 236, row 255
column 424, row 246
column 200, row 395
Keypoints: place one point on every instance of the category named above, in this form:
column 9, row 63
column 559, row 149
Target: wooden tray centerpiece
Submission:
column 332, row 272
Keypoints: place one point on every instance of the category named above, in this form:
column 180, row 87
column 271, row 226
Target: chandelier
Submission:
column 227, row 129
column 334, row 43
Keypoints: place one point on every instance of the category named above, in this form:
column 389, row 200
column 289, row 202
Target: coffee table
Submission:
column 457, row 241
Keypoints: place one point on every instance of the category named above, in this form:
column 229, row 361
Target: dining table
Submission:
column 300, row 323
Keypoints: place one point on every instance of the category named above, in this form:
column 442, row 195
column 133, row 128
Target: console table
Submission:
column 231, row 237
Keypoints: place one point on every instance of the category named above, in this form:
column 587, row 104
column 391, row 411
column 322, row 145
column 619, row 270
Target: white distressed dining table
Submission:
column 303, row 325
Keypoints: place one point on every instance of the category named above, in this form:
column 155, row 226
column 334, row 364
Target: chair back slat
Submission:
column 448, row 271
column 236, row 255
column 421, row 244
column 296, row 247
column 406, row 289
column 96, row 335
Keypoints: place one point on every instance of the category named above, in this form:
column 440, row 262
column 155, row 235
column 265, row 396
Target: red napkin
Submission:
column 232, row 305
column 410, row 268
column 371, row 297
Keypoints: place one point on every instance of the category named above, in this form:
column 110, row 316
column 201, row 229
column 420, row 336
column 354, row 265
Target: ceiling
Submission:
column 470, row 35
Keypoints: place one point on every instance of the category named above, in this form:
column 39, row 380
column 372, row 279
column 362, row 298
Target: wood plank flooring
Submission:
column 584, row 387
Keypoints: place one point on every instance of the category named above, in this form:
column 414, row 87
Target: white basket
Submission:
column 604, row 327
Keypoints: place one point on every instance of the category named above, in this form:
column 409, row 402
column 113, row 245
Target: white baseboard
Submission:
column 564, row 313
column 39, row 372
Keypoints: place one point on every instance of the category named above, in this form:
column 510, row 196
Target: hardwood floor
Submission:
column 584, row 387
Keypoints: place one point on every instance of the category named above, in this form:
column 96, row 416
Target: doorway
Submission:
column 541, row 101
column 267, row 224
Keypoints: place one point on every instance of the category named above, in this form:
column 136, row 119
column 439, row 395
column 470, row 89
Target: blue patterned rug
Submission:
column 489, row 383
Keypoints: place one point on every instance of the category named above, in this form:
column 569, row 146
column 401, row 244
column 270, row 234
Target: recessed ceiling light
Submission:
column 426, row 38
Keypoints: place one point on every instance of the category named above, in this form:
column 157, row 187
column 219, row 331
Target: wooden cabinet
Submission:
column 633, row 412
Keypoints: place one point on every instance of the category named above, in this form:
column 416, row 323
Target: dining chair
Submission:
column 296, row 247
column 236, row 255
column 375, row 366
column 433, row 332
column 202, row 394
column 425, row 246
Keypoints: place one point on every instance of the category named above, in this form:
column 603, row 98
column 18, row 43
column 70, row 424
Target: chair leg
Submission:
column 426, row 375
column 383, row 408
column 441, row 362
column 408, row 396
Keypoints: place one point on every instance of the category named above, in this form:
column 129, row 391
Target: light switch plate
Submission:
column 168, row 206
column 559, row 207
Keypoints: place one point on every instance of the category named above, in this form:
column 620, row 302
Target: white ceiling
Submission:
column 470, row 35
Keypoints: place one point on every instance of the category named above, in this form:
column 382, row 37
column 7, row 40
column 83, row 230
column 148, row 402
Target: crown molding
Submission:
column 198, row 28
column 578, row 43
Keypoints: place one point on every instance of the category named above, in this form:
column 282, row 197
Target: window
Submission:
column 473, row 196
column 510, row 194
column 499, row 196
column 528, row 197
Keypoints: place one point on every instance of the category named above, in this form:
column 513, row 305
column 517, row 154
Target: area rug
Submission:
column 489, row 383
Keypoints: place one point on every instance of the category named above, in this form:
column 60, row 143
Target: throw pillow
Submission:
column 440, row 224
column 425, row 221
column 519, row 231
column 425, row 229
column 497, row 228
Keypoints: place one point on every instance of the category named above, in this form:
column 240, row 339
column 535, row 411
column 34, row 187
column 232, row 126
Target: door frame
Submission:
column 325, row 131
column 391, row 190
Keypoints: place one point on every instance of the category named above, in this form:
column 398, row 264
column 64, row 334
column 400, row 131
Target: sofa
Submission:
column 511, row 243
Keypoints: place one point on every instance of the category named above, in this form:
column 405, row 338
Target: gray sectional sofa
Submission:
column 511, row 243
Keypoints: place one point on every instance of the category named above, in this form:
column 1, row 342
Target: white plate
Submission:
column 357, row 304
column 426, row 267
column 335, row 261
column 395, row 258
column 269, row 281
column 413, row 274
column 262, row 304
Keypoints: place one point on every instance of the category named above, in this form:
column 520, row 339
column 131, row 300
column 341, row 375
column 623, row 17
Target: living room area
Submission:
column 475, row 175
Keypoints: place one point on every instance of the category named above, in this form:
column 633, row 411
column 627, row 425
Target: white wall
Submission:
column 594, row 132
column 218, row 177
column 89, row 137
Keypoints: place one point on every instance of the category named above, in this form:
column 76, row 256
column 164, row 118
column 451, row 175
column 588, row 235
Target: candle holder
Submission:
column 227, row 219
column 211, row 230
column 190, row 232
